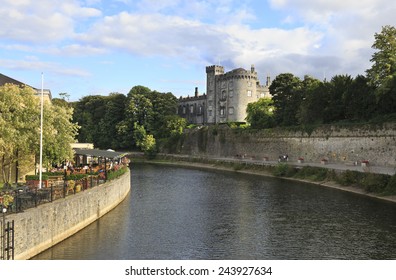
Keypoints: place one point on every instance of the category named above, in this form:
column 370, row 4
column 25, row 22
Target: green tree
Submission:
column 58, row 133
column 312, row 107
column 382, row 74
column 113, row 115
column 360, row 101
column 260, row 113
column 88, row 112
column 287, row 96
column 146, row 142
column 339, row 89
column 19, row 126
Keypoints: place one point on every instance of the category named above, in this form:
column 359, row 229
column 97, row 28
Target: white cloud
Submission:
column 34, row 64
column 48, row 21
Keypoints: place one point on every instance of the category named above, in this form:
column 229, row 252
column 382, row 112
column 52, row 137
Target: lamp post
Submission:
column 41, row 130
column 4, row 210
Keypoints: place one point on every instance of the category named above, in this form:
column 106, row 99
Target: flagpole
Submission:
column 41, row 131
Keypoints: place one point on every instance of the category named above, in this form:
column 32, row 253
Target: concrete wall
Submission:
column 40, row 228
column 339, row 145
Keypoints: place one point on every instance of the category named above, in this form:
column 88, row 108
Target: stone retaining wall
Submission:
column 339, row 145
column 40, row 228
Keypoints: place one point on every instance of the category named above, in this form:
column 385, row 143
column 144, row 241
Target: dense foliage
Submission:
column 342, row 99
column 20, row 129
column 125, row 122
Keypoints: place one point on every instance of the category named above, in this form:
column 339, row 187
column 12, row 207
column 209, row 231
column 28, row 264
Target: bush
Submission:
column 312, row 173
column 349, row 178
column 390, row 188
column 115, row 174
column 36, row 177
column 375, row 182
column 284, row 170
column 76, row 177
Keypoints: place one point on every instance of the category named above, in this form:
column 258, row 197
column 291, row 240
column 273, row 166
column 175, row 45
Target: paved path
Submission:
column 336, row 166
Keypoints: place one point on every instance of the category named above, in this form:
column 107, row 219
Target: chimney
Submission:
column 196, row 91
column 252, row 68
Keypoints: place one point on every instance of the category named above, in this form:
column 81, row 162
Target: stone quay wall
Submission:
column 374, row 143
column 40, row 228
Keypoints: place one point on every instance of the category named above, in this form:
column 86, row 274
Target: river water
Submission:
column 180, row 213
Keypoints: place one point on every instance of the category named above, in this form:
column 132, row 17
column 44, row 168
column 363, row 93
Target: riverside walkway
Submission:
column 335, row 166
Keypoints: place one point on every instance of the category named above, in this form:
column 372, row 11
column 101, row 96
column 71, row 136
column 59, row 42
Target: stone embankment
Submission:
column 40, row 228
column 344, row 146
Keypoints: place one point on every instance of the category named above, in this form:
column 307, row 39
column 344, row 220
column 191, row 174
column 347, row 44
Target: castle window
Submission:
column 262, row 94
column 249, row 93
column 200, row 109
column 223, row 95
column 210, row 113
column 222, row 111
column 223, row 84
column 249, row 84
column 191, row 109
column 184, row 109
column 230, row 85
column 231, row 93
column 231, row 110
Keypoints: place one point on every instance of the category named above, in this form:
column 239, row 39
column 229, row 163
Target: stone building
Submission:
column 8, row 80
column 193, row 108
column 227, row 96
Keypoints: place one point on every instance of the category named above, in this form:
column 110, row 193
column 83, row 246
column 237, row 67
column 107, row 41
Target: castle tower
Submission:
column 211, row 85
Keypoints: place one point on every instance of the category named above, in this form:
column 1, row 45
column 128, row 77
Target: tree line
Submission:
column 140, row 119
column 310, row 101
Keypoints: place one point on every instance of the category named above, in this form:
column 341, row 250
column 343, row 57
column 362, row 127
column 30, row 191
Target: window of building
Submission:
column 184, row 109
column 210, row 113
column 223, row 84
column 223, row 94
column 192, row 109
column 230, row 85
column 222, row 111
column 231, row 110
column 249, row 84
column 200, row 109
column 231, row 93
column 249, row 93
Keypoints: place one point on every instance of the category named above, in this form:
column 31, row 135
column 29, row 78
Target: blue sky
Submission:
column 98, row 47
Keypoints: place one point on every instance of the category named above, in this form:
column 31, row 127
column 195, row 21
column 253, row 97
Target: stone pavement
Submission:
column 336, row 166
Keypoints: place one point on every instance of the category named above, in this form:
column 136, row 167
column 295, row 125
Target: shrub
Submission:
column 115, row 174
column 76, row 177
column 36, row 177
column 375, row 182
column 390, row 188
column 349, row 178
column 312, row 173
column 284, row 170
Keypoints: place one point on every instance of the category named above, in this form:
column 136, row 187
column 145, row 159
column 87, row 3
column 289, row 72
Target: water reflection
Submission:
column 176, row 213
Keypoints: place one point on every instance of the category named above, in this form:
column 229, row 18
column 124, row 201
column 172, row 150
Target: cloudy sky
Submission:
column 98, row 47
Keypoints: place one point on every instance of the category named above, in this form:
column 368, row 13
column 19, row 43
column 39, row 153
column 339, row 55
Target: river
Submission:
column 180, row 213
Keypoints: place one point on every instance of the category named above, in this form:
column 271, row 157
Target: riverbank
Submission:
column 255, row 168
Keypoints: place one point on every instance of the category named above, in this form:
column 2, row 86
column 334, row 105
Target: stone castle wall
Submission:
column 338, row 145
column 40, row 228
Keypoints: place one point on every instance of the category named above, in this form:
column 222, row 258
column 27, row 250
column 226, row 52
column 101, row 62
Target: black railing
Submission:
column 25, row 197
